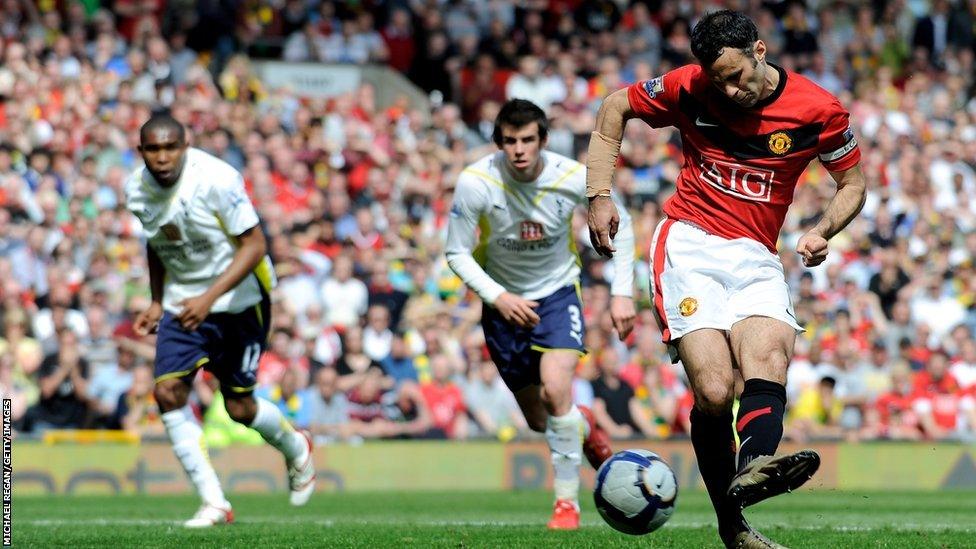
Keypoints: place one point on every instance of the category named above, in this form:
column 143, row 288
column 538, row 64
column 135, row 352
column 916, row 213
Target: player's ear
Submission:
column 759, row 50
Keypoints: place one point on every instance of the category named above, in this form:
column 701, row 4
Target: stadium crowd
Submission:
column 373, row 335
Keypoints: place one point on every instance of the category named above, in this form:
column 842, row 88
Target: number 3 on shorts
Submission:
column 249, row 362
column 575, row 324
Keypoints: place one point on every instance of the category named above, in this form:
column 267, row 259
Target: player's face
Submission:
column 164, row 152
column 522, row 147
column 740, row 77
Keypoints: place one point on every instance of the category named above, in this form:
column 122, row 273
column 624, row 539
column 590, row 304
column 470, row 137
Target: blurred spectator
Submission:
column 377, row 335
column 344, row 298
column 287, row 396
column 22, row 355
column 615, row 406
column 963, row 369
column 110, row 383
column 934, row 307
column 940, row 404
column 657, row 397
column 816, row 413
column 64, row 385
column 444, row 399
column 137, row 411
column 328, row 408
column 399, row 364
column 491, row 404
column 893, row 414
column 532, row 84
column 376, row 412
column 353, row 359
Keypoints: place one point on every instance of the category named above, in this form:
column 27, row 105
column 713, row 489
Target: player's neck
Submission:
column 772, row 81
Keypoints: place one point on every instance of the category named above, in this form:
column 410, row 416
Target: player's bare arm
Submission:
column 148, row 320
column 251, row 251
column 601, row 158
column 622, row 312
column 842, row 209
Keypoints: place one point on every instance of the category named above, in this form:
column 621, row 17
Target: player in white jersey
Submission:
column 210, row 281
column 524, row 265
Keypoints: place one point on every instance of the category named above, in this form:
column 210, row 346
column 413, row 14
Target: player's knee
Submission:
column 241, row 410
column 714, row 398
column 768, row 364
column 171, row 394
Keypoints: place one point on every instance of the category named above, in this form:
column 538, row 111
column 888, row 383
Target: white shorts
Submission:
column 700, row 280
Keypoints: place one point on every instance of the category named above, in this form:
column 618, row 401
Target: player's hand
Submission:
column 194, row 311
column 623, row 313
column 604, row 221
column 813, row 248
column 516, row 310
column 147, row 321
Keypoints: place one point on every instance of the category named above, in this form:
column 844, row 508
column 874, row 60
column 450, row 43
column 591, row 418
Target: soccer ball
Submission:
column 635, row 491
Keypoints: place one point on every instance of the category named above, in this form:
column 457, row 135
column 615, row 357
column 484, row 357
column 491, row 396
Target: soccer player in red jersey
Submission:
column 748, row 130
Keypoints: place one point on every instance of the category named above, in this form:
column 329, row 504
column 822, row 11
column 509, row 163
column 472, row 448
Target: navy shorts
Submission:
column 228, row 345
column 516, row 351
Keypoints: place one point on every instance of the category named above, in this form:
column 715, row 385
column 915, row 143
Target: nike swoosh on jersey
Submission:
column 700, row 122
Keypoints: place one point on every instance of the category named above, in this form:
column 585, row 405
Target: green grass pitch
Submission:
column 487, row 519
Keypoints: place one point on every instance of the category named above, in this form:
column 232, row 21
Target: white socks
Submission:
column 191, row 450
column 278, row 432
column 565, row 437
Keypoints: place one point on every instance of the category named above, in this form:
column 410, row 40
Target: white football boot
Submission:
column 210, row 515
column 301, row 475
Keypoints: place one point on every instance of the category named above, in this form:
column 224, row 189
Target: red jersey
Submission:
column 741, row 165
column 446, row 403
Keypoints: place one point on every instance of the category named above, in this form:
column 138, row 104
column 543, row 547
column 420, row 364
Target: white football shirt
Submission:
column 506, row 235
column 193, row 228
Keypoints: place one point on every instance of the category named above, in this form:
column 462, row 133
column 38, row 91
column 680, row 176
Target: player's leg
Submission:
column 559, row 338
column 548, row 408
column 179, row 354
column 763, row 347
column 690, row 305
column 238, row 377
column 296, row 446
column 707, row 360
column 566, row 428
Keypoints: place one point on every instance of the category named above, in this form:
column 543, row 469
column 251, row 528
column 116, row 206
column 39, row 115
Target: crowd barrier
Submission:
column 56, row 466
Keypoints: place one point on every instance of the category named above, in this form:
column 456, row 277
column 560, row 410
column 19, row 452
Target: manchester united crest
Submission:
column 688, row 306
column 780, row 143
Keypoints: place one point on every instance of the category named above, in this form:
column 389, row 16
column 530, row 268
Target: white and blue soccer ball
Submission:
column 635, row 491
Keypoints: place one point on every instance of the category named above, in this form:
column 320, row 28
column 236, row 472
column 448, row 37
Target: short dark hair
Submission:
column 722, row 29
column 518, row 113
column 162, row 120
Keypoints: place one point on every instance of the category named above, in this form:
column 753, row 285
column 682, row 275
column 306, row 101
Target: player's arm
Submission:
column 601, row 159
column 470, row 203
column 842, row 209
column 147, row 321
column 622, row 310
column 239, row 219
column 250, row 251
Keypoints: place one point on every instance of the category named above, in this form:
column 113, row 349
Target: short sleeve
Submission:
column 233, row 206
column 838, row 149
column 655, row 101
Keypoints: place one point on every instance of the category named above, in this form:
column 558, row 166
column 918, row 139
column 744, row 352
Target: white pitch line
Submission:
column 901, row 527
